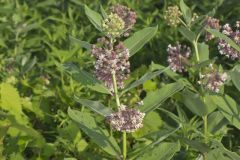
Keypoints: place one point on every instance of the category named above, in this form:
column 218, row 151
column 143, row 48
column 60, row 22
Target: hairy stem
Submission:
column 124, row 147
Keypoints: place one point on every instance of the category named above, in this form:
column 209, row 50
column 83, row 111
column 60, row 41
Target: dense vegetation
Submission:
column 182, row 85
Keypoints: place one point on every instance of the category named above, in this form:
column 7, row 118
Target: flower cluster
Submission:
column 172, row 15
column 212, row 23
column 178, row 56
column 126, row 119
column 111, row 60
column 213, row 79
column 113, row 25
column 224, row 48
column 128, row 16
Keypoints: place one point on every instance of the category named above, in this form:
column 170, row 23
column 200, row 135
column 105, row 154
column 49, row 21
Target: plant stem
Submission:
column 205, row 120
column 115, row 89
column 196, row 50
column 124, row 136
column 124, row 145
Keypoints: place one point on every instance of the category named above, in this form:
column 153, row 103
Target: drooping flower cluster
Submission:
column 128, row 16
column 172, row 15
column 178, row 56
column 111, row 59
column 224, row 48
column 211, row 23
column 213, row 79
column 113, row 25
column 126, row 119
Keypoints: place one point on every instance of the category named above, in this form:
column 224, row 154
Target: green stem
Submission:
column 115, row 89
column 205, row 120
column 196, row 50
column 124, row 147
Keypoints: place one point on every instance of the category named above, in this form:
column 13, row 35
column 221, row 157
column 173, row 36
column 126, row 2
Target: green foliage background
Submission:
column 36, row 91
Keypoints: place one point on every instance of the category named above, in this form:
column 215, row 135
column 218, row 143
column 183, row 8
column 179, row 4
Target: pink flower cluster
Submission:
column 111, row 59
column 126, row 119
column 177, row 56
column 128, row 16
column 225, row 48
column 212, row 23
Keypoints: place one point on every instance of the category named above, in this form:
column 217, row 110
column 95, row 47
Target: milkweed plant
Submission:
column 200, row 86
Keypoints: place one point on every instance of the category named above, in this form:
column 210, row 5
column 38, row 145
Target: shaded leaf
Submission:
column 144, row 78
column 187, row 33
column 82, row 44
column 139, row 39
column 235, row 76
column 196, row 104
column 187, row 14
column 99, row 136
column 229, row 108
column 218, row 34
column 95, row 106
column 94, row 17
column 85, row 78
column 154, row 99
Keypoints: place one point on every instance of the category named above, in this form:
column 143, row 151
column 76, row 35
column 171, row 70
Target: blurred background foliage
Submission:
column 36, row 92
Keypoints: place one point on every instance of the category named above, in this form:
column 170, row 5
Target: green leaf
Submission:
column 187, row 13
column 95, row 106
column 103, row 12
column 152, row 123
column 94, row 17
column 203, row 50
column 144, row 78
column 221, row 153
column 163, row 151
column 191, row 36
column 82, row 44
column 197, row 145
column 15, row 123
column 196, row 104
column 11, row 102
column 229, row 108
column 98, row 135
column 218, row 34
column 235, row 76
column 85, row 78
column 139, row 39
column 216, row 122
column 154, row 99
column 160, row 135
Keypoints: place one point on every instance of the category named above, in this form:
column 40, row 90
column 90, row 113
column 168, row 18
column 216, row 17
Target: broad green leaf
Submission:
column 216, row 122
column 103, row 12
column 95, row 106
column 163, row 151
column 235, row 76
column 82, row 44
column 203, row 50
column 196, row 104
column 229, row 108
column 157, row 138
column 187, row 13
column 98, row 135
column 139, row 39
column 201, row 147
column 191, row 36
column 94, row 17
column 11, row 101
column 154, row 99
column 85, row 78
column 152, row 123
column 221, row 153
column 144, row 78
column 218, row 34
